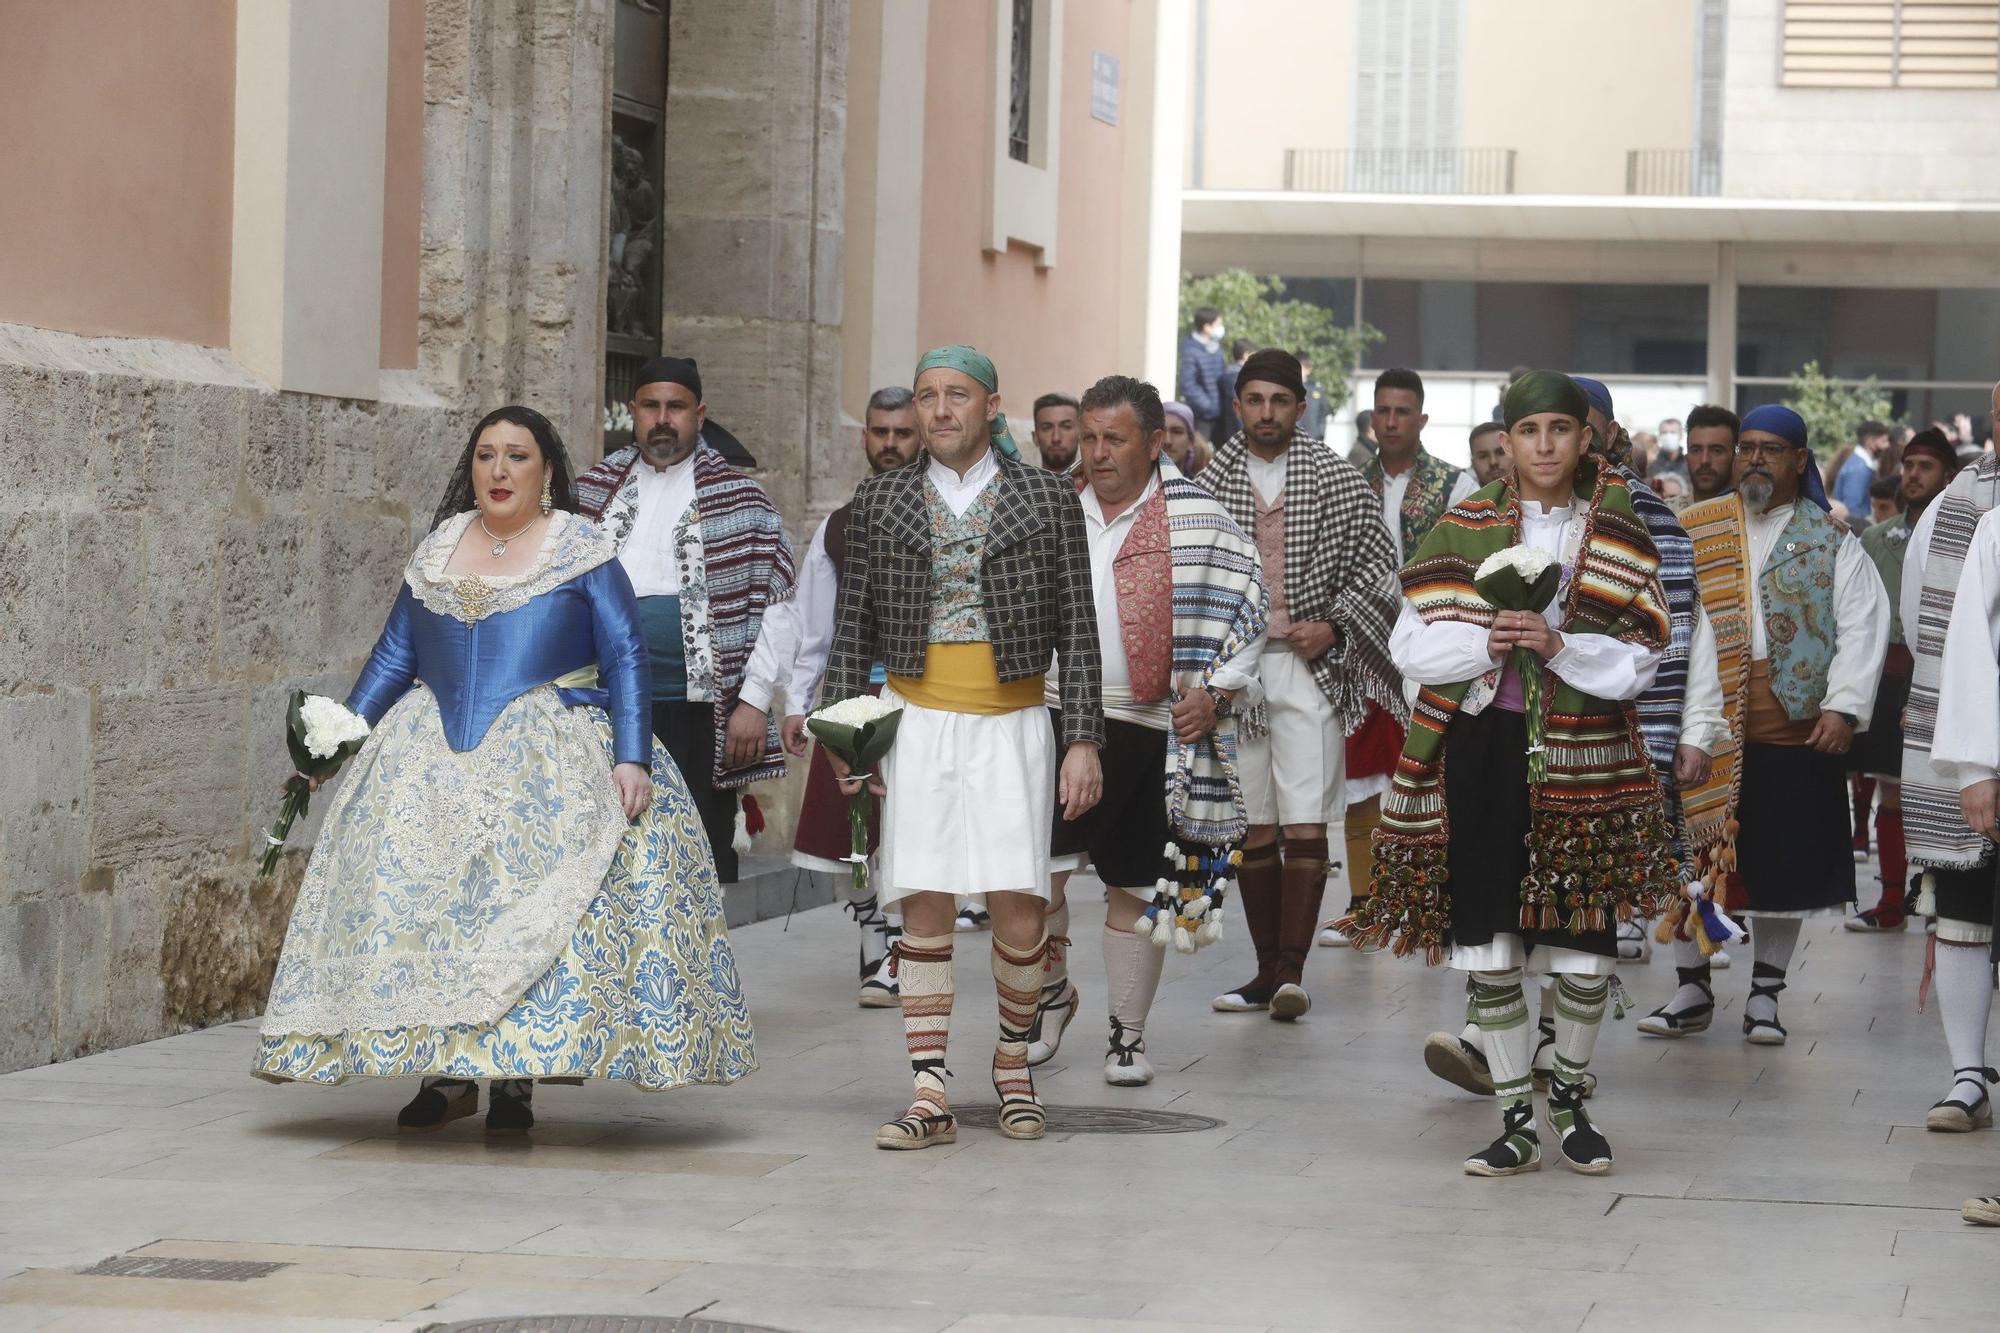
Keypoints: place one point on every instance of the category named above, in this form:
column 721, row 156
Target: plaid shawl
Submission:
column 1340, row 567
column 1219, row 609
column 1599, row 841
column 1932, row 820
column 747, row 566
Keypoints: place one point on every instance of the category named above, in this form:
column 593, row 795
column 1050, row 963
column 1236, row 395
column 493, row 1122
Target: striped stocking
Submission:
column 1500, row 1008
column 1017, row 977
column 923, row 969
column 1580, row 1004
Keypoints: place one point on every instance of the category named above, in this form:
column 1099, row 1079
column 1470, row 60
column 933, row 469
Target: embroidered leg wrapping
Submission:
column 1580, row 1004
column 923, row 971
column 1017, row 977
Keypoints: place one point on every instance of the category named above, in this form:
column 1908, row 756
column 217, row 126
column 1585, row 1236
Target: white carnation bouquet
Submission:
column 1521, row 578
column 322, row 734
column 860, row 730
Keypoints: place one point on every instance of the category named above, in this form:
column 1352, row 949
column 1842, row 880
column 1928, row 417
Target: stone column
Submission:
column 756, row 131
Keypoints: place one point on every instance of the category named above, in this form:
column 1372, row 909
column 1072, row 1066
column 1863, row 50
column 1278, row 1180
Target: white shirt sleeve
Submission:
column 1239, row 673
column 1704, row 725
column 818, row 607
column 1861, row 633
column 1464, row 486
column 1967, row 747
column 1605, row 667
column 774, row 657
column 1910, row 597
column 1443, row 653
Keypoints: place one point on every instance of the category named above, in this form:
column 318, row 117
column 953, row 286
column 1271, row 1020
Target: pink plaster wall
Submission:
column 115, row 166
column 1047, row 330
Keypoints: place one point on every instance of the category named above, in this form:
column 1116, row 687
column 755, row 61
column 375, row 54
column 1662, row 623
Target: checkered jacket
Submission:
column 1034, row 582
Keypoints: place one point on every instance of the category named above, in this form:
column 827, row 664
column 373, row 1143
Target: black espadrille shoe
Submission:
column 510, row 1106
column 439, row 1102
column 1515, row 1152
column 1581, row 1147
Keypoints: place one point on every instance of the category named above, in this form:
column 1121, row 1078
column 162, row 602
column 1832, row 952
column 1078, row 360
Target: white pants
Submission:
column 1292, row 774
column 970, row 804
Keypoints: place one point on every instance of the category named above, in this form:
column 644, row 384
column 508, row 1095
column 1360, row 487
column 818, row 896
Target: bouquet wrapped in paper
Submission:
column 322, row 734
column 1521, row 578
column 860, row 730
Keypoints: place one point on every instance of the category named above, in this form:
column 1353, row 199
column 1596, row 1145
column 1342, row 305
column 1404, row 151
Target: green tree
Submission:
column 1257, row 308
column 1834, row 409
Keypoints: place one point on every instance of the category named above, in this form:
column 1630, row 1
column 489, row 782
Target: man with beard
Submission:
column 967, row 575
column 1329, row 569
column 1056, row 431
column 707, row 554
column 1711, row 451
column 790, row 658
column 1489, row 453
column 1801, row 626
column 1877, row 757
column 1949, row 791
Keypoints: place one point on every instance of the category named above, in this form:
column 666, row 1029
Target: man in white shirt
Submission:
column 1180, row 626
column 1967, row 754
column 788, row 662
column 707, row 555
column 1802, row 625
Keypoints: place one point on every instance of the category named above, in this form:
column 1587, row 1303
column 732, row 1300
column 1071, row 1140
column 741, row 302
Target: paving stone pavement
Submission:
column 1756, row 1188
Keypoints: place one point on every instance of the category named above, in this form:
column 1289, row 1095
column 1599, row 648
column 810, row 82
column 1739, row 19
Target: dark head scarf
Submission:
column 458, row 493
column 1543, row 391
column 972, row 362
column 670, row 370
column 1931, row 440
column 1599, row 396
column 1779, row 420
column 1273, row 366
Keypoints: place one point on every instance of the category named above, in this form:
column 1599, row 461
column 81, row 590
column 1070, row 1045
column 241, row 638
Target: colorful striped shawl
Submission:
column 747, row 566
column 1599, row 846
column 1722, row 567
column 1936, row 827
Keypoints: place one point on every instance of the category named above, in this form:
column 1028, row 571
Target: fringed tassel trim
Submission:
column 1408, row 907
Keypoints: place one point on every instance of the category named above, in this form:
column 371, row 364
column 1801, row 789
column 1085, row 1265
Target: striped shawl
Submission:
column 1599, row 841
column 1219, row 609
column 1938, row 836
column 1340, row 567
column 747, row 566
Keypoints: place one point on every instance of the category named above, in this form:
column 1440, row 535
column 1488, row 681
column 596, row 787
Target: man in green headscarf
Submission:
column 965, row 574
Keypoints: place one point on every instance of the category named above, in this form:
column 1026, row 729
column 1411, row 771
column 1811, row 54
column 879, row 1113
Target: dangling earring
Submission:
column 548, row 500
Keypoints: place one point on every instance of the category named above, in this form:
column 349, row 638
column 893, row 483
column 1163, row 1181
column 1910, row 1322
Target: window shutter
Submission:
column 1892, row 44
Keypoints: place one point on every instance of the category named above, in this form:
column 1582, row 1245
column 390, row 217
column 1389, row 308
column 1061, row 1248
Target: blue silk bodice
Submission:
column 477, row 660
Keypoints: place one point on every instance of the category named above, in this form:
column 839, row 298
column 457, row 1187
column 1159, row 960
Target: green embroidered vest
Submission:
column 1887, row 543
column 958, row 544
column 1795, row 589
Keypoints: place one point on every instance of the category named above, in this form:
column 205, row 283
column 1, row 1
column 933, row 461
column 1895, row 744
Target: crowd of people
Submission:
column 1561, row 705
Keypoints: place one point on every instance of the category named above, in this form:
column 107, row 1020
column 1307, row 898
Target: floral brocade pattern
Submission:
column 958, row 615
column 635, row 978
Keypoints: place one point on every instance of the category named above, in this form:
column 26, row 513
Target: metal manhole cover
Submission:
column 199, row 1270
column 1098, row 1120
column 601, row 1323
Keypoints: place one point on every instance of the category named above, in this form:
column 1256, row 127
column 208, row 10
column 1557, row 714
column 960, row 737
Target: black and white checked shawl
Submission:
column 1936, row 828
column 1340, row 567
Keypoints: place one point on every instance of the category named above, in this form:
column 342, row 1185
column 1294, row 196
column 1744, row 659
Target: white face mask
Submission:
column 1219, row 331
column 1670, row 440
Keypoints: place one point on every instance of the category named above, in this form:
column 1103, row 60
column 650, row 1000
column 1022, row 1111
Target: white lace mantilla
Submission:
column 444, row 883
column 572, row 546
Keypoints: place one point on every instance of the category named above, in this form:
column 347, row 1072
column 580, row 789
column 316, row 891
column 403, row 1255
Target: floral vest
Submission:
column 1425, row 500
column 958, row 544
column 1796, row 589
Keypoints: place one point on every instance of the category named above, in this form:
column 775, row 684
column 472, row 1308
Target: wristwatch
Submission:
column 1224, row 704
column 1851, row 720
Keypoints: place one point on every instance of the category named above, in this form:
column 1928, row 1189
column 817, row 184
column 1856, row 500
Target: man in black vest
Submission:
column 790, row 658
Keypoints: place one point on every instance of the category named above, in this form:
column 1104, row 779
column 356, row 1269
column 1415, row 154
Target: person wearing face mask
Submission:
column 1487, row 859
column 708, row 557
column 1201, row 366
column 1671, row 450
column 789, row 660
column 1802, row 627
column 511, row 861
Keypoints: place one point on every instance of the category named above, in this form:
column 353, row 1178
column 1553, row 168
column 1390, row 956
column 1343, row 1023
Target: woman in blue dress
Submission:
column 511, row 882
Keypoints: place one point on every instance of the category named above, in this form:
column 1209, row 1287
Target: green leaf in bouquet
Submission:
column 303, row 760
column 1505, row 589
column 862, row 747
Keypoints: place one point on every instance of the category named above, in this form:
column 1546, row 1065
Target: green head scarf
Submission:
column 1544, row 391
column 975, row 363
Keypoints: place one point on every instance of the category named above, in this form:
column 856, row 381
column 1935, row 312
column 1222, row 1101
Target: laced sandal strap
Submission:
column 1518, row 1118
column 1766, row 981
column 1701, row 975
column 1987, row 1072
column 1126, row 1042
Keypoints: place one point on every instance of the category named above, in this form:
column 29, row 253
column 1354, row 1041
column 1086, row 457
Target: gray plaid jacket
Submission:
column 1034, row 581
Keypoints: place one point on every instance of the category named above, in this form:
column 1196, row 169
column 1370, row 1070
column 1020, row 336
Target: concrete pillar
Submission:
column 899, row 192
column 305, row 303
column 1722, row 327
column 1156, row 99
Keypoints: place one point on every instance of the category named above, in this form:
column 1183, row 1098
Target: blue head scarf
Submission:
column 1594, row 390
column 1779, row 420
column 975, row 363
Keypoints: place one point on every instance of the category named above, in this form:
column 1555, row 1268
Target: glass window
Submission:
column 1609, row 328
column 1895, row 333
